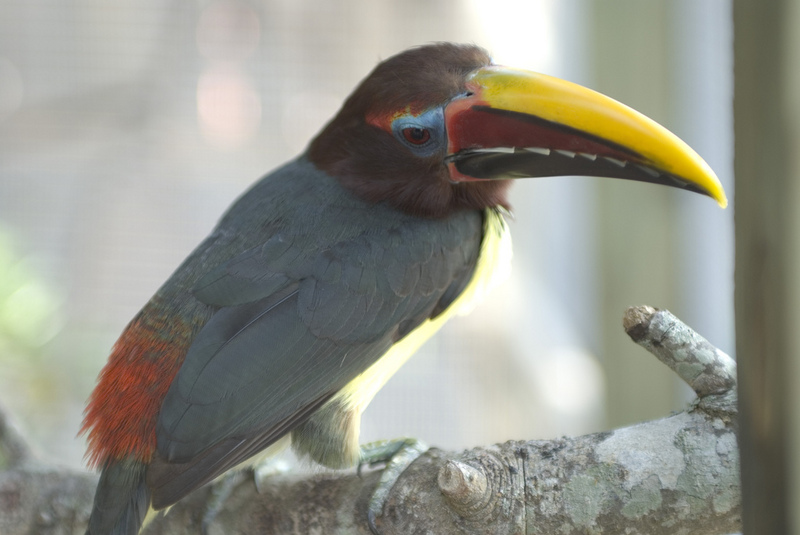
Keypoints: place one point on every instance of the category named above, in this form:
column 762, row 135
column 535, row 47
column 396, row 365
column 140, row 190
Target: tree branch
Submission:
column 679, row 474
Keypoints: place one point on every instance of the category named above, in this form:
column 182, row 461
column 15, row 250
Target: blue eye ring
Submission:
column 423, row 134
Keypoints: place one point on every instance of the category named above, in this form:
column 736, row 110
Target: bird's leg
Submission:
column 330, row 437
column 221, row 490
column 268, row 468
column 398, row 454
column 263, row 466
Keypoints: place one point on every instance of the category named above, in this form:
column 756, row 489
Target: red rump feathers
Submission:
column 123, row 409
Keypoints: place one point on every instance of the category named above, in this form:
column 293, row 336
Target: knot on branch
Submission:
column 483, row 488
column 465, row 488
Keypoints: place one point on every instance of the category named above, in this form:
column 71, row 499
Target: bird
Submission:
column 322, row 279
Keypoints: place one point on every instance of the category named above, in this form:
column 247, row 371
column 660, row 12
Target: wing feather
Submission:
column 298, row 316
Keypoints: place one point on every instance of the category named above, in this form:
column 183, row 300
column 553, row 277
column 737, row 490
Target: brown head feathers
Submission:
column 359, row 148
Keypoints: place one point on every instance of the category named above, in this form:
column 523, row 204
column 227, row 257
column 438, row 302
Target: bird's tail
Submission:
column 121, row 501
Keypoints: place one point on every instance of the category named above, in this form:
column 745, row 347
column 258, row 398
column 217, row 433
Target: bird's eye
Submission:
column 423, row 134
column 416, row 135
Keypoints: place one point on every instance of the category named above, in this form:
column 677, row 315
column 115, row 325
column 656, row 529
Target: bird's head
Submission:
column 440, row 128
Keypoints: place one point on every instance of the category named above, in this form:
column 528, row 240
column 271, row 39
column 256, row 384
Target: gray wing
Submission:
column 297, row 321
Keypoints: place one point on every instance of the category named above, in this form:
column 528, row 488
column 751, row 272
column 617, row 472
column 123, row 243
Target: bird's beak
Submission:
column 516, row 123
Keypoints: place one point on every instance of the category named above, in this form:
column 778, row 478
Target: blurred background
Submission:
column 127, row 128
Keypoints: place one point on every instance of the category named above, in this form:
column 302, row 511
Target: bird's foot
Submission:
column 221, row 490
column 267, row 469
column 397, row 454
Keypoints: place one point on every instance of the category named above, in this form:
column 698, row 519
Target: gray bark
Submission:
column 679, row 474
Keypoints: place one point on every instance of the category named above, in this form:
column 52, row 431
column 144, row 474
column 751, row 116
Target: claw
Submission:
column 398, row 455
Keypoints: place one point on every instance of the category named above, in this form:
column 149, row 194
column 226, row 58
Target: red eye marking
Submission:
column 417, row 136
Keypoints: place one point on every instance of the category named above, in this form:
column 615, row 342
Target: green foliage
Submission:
column 35, row 380
column 29, row 307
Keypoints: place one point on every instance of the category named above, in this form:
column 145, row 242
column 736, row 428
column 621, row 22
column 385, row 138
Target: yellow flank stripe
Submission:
column 577, row 107
column 494, row 262
column 151, row 514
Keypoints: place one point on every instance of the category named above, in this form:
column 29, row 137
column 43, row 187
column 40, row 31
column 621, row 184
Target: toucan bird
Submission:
column 323, row 278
